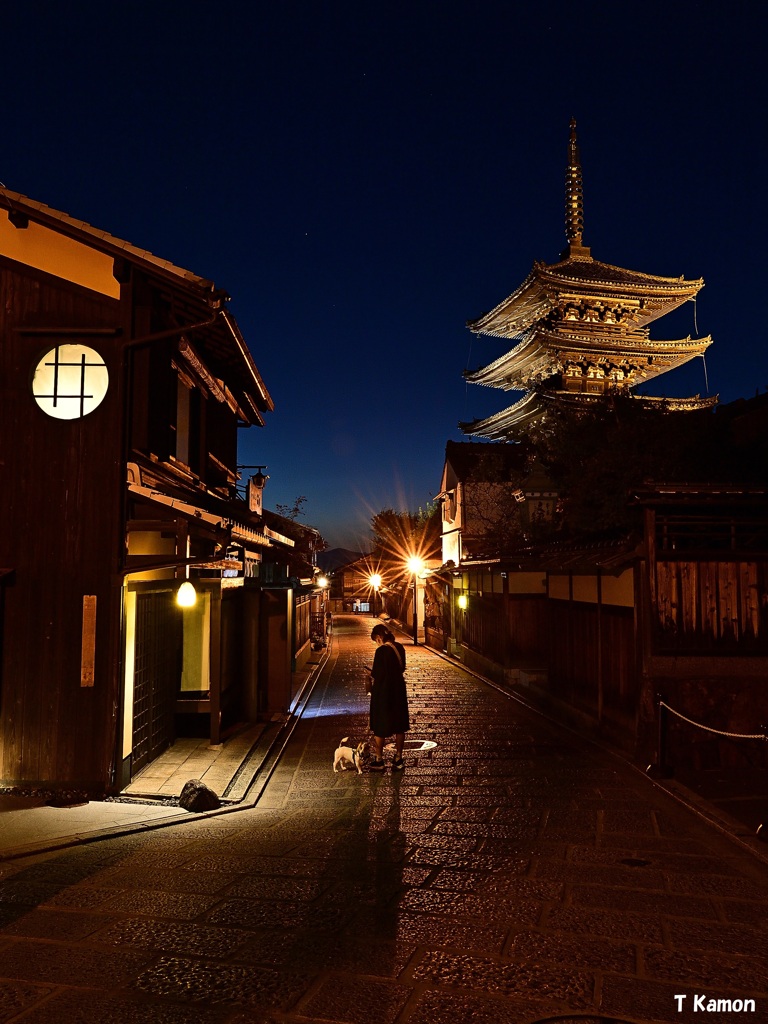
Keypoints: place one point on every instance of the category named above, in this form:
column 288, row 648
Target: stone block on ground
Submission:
column 196, row 796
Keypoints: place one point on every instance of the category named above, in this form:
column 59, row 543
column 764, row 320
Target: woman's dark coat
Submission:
column 389, row 700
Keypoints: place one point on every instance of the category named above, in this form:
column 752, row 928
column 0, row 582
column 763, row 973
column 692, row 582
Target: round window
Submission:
column 70, row 381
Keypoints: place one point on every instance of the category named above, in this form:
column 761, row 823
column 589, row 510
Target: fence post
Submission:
column 660, row 769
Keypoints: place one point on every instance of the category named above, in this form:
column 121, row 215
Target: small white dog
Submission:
column 354, row 756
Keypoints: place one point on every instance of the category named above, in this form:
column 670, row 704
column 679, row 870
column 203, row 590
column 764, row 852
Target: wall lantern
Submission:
column 186, row 595
column 462, row 602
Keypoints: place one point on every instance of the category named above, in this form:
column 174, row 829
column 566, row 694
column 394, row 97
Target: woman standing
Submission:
column 389, row 699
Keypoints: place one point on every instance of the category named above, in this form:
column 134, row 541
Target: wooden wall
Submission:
column 584, row 653
column 62, row 490
column 715, row 605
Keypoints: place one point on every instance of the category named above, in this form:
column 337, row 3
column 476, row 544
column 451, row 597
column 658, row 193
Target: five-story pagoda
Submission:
column 580, row 330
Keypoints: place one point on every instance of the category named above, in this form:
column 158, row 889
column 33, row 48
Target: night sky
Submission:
column 363, row 178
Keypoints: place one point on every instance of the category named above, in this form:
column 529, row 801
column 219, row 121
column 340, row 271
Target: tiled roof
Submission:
column 595, row 272
column 98, row 238
column 502, row 425
column 473, row 460
column 542, row 352
column 498, row 426
column 532, row 301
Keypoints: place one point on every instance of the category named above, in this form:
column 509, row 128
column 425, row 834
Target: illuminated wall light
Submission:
column 186, row 595
column 462, row 601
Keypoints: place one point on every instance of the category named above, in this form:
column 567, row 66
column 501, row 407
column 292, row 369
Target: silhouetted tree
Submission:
column 292, row 511
column 595, row 457
column 396, row 535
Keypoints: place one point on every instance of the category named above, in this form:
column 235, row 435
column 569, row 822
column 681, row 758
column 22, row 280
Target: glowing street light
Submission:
column 415, row 566
column 375, row 581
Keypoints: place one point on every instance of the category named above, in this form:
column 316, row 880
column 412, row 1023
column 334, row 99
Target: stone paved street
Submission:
column 512, row 874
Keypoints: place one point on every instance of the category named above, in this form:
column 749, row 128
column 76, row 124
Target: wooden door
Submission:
column 157, row 672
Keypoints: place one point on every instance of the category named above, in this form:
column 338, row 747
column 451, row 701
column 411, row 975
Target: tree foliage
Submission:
column 494, row 518
column 597, row 457
column 292, row 511
column 397, row 535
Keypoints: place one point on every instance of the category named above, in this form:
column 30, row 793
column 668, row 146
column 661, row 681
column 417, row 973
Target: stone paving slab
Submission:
column 513, row 874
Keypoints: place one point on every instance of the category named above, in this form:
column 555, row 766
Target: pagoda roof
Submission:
column 579, row 276
column 499, row 426
column 541, row 352
column 502, row 425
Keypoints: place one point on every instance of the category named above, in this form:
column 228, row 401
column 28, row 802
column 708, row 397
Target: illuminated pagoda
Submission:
column 579, row 330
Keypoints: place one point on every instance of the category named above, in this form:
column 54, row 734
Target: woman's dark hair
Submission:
column 380, row 630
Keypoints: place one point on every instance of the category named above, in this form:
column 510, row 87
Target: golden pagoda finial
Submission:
column 574, row 199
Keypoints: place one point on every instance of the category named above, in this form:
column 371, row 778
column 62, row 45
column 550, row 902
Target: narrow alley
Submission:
column 513, row 874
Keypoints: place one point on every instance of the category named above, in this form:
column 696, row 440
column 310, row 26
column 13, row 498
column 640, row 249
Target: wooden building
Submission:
column 598, row 632
column 124, row 382
column 580, row 329
column 352, row 585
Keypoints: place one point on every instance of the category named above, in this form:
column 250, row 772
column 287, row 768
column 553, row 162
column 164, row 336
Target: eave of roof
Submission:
column 201, row 288
column 609, row 556
column 700, row 493
column 531, row 301
column 498, row 426
column 99, row 239
column 541, row 351
column 588, row 271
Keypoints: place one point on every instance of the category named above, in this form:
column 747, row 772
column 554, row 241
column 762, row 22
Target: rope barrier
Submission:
column 720, row 732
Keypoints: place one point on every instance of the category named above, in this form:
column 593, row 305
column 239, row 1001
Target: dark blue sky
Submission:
column 366, row 177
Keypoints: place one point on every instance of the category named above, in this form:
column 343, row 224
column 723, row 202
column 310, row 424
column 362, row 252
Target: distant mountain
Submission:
column 335, row 558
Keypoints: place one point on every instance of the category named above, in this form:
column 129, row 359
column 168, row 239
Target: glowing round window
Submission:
column 70, row 381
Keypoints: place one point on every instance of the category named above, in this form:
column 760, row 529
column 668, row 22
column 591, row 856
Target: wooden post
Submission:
column 762, row 828
column 660, row 769
column 215, row 667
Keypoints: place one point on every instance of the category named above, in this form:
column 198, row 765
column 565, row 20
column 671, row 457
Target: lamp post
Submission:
column 415, row 565
column 375, row 582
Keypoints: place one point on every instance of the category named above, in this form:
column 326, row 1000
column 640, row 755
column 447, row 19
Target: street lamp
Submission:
column 375, row 581
column 415, row 566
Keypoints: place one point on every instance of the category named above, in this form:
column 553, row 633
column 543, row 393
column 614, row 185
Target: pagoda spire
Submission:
column 574, row 199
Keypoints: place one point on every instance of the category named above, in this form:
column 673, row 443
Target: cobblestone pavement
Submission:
column 512, row 874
